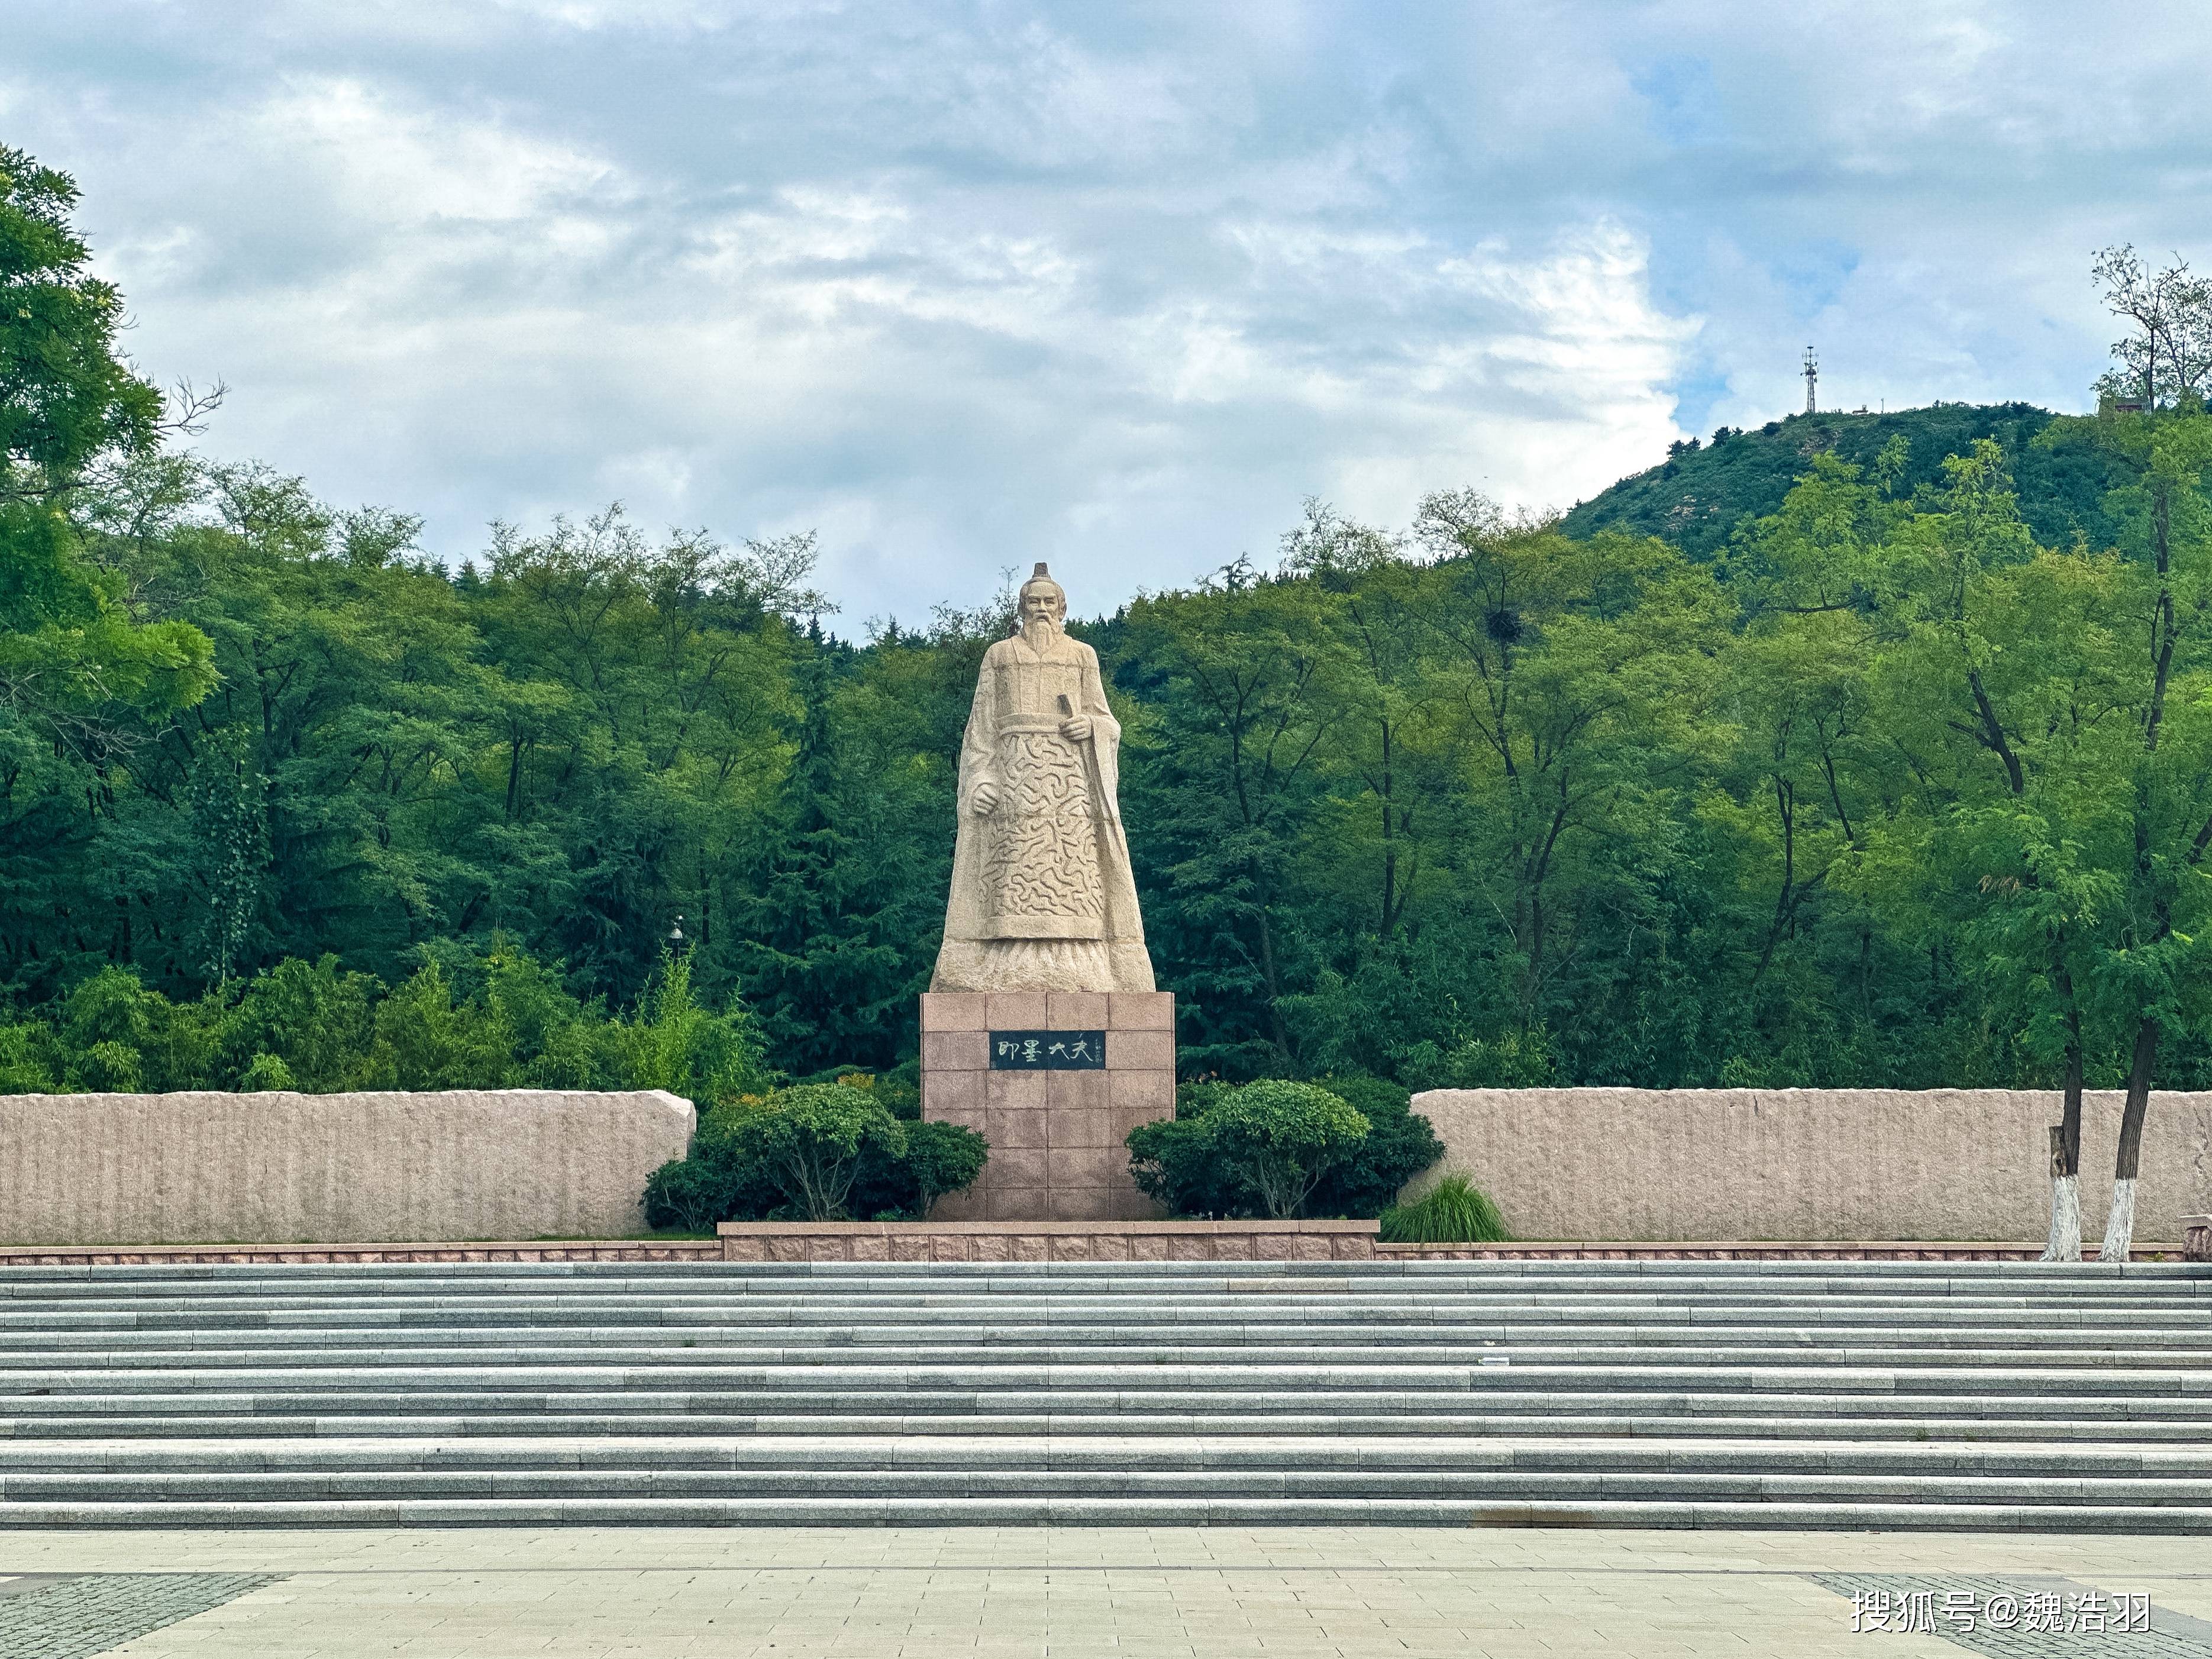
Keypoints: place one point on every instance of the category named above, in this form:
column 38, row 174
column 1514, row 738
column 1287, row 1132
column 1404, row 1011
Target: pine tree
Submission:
column 835, row 936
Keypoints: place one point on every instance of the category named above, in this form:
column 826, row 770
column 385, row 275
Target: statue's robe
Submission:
column 1042, row 898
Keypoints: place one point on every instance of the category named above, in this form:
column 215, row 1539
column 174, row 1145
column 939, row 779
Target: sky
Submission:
column 964, row 286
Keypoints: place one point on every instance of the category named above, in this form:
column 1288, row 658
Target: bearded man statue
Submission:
column 1042, row 898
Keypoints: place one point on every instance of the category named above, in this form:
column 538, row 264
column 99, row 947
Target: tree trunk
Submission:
column 2065, row 1244
column 2120, row 1226
column 1276, row 1028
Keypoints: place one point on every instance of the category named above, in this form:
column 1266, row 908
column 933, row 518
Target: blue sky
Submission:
column 962, row 286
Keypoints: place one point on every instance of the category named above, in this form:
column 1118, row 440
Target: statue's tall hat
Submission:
column 1041, row 577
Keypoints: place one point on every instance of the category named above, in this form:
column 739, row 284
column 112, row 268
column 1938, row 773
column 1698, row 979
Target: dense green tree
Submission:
column 1861, row 748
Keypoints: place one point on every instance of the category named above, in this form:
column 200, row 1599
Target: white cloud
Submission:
column 967, row 286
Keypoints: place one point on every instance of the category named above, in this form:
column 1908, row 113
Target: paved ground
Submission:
column 1155, row 1594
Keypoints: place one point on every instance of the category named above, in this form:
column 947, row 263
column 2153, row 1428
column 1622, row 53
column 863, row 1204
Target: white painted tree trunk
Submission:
column 2065, row 1219
column 2120, row 1227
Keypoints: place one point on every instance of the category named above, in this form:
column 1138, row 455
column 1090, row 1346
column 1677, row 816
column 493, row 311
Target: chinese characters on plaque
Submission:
column 1048, row 1051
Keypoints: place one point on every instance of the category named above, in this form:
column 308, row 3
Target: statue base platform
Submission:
column 1054, row 1080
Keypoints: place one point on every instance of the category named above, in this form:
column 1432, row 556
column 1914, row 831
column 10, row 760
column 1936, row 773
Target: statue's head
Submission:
column 1042, row 601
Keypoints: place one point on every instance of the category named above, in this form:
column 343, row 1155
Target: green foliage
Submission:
column 77, row 667
column 811, row 1142
column 1856, row 749
column 1172, row 1161
column 315, row 1027
column 816, row 1152
column 1264, row 1148
column 66, row 396
column 1400, row 1144
column 1700, row 499
column 938, row 1159
column 1453, row 1212
column 689, row 1195
column 677, row 1044
column 1512, row 1060
column 266, row 1071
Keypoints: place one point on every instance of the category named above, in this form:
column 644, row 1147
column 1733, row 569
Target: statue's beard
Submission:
column 1040, row 631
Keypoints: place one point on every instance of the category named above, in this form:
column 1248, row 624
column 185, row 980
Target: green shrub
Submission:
column 1173, row 1161
column 690, row 1194
column 679, row 1043
column 110, row 1068
column 319, row 1021
column 1399, row 1145
column 1196, row 1167
column 812, row 1141
column 464, row 1019
column 820, row 1152
column 24, row 1050
column 266, row 1073
column 1283, row 1137
column 940, row 1159
column 1263, row 1148
column 1517, row 1060
column 1453, row 1212
column 898, row 1091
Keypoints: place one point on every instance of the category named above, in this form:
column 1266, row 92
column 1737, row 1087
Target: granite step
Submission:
column 24, row 1340
column 758, row 1379
column 1483, row 1345
column 1078, row 1452
column 1196, row 1484
column 1179, row 1510
column 1728, row 1417
column 2004, row 1396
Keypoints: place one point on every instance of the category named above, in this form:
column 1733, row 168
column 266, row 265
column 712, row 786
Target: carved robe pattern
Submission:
column 1041, row 874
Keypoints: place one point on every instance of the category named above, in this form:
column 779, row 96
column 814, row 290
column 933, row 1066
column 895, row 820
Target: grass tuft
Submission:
column 1453, row 1212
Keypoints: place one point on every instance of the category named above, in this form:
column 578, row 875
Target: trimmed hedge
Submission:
column 821, row 1152
column 1237, row 1152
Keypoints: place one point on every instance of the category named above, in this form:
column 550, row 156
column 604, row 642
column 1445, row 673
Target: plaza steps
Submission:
column 1996, row 1396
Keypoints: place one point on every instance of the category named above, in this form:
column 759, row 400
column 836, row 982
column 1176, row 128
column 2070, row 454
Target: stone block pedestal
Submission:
column 1055, row 1133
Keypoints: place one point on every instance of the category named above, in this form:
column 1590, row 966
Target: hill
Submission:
column 1696, row 498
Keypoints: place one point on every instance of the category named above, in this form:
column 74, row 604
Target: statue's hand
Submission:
column 984, row 799
column 1076, row 730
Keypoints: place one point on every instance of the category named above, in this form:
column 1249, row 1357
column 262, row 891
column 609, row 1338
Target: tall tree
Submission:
column 2156, row 972
column 1222, row 791
column 81, row 670
column 2166, row 354
column 1581, row 672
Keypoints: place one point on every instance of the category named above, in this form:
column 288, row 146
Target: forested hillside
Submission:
column 1705, row 488
column 1906, row 780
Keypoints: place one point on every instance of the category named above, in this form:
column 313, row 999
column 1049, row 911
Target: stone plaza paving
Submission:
column 1157, row 1593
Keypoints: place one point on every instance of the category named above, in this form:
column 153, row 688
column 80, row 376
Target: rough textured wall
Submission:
column 209, row 1168
column 1809, row 1163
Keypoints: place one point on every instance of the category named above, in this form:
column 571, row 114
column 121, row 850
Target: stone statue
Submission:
column 1043, row 899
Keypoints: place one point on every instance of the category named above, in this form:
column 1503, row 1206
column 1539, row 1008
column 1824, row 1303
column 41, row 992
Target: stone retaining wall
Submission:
column 1048, row 1241
column 1964, row 1164
column 1698, row 1250
column 192, row 1255
column 835, row 1249
column 288, row 1169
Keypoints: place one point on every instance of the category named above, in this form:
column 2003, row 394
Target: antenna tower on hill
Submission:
column 1812, row 379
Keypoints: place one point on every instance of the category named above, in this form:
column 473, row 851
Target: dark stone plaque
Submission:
column 1048, row 1051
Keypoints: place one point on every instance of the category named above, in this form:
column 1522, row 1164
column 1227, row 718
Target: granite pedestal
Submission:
column 1056, row 1131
